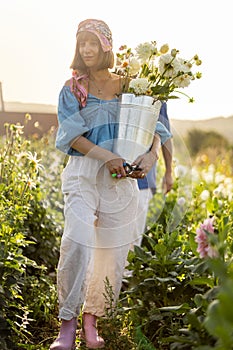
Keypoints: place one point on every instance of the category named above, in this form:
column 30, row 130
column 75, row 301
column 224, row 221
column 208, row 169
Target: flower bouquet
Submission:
column 150, row 76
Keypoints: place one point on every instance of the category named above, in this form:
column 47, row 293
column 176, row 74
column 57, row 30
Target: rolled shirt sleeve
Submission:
column 163, row 132
column 70, row 122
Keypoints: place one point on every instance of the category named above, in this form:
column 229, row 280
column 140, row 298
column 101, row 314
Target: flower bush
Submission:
column 155, row 72
column 175, row 299
column 182, row 277
column 29, row 240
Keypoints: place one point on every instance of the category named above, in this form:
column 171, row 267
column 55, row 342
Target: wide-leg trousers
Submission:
column 100, row 226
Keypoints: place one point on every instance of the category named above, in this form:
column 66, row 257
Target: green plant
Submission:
column 175, row 299
column 115, row 326
column 180, row 300
column 28, row 242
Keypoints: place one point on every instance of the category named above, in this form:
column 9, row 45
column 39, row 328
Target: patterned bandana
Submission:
column 79, row 87
column 79, row 82
column 100, row 29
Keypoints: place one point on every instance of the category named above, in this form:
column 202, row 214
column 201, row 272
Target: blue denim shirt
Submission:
column 97, row 122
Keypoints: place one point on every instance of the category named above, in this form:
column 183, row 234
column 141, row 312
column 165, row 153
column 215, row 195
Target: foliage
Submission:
column 175, row 299
column 181, row 300
column 199, row 141
column 117, row 329
column 28, row 242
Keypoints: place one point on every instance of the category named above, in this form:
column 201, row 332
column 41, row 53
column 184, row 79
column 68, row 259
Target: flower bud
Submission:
column 198, row 75
column 164, row 48
column 122, row 47
column 174, row 52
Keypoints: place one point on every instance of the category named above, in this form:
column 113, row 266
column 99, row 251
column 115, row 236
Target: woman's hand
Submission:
column 115, row 166
column 167, row 182
column 145, row 162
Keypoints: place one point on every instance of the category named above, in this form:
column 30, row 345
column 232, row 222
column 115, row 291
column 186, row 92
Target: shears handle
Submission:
column 129, row 169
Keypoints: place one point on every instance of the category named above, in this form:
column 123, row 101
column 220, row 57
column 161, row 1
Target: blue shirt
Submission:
column 150, row 180
column 97, row 122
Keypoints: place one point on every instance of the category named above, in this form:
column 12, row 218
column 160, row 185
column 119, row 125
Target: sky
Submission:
column 37, row 43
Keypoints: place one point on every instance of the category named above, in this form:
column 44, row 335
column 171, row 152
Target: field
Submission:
column 180, row 293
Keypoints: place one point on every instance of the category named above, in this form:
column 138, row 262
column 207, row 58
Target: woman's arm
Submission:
column 113, row 162
column 148, row 159
column 167, row 155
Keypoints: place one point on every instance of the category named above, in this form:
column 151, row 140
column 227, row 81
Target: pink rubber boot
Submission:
column 89, row 332
column 66, row 336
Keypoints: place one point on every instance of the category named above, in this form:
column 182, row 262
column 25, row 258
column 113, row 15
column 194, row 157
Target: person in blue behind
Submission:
column 99, row 209
column 147, row 185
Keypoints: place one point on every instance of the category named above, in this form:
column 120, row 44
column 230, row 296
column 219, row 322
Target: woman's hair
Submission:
column 106, row 59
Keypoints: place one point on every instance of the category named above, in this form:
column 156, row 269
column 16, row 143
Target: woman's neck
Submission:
column 99, row 75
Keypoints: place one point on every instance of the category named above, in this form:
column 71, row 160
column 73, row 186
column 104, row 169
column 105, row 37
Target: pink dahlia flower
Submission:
column 204, row 248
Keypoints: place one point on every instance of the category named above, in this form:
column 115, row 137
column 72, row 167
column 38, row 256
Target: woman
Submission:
column 99, row 208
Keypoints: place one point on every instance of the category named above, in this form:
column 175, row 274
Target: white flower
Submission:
column 34, row 162
column 168, row 66
column 205, row 195
column 180, row 170
column 165, row 72
column 146, row 51
column 184, row 66
column 208, row 176
column 31, row 184
column 228, row 181
column 182, row 81
column 195, row 175
column 219, row 178
column 216, row 192
column 181, row 201
column 134, row 66
column 17, row 128
column 139, row 86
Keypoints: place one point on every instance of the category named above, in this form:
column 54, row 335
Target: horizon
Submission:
column 53, row 107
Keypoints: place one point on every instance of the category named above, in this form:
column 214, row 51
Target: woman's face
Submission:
column 89, row 49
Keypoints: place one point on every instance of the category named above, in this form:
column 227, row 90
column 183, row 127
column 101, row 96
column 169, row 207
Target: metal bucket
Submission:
column 137, row 118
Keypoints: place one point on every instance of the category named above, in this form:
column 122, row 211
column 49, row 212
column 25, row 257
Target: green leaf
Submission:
column 208, row 281
column 176, row 309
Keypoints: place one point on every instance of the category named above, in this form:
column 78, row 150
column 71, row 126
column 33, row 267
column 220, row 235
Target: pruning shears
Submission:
column 129, row 169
